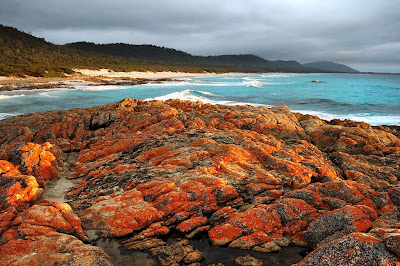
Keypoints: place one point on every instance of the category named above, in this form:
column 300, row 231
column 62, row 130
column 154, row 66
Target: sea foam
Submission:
column 196, row 95
column 5, row 115
column 182, row 95
column 104, row 88
column 370, row 119
column 5, row 97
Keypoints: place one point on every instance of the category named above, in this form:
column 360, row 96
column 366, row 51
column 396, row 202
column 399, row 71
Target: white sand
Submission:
column 104, row 74
column 8, row 78
column 146, row 75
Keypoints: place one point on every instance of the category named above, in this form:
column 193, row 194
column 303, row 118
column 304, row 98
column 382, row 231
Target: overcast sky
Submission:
column 364, row 34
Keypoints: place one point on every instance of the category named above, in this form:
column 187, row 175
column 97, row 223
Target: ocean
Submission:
column 371, row 98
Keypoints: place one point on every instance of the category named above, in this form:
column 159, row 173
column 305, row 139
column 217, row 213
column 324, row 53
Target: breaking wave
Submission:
column 103, row 88
column 195, row 95
column 5, row 97
column 5, row 115
column 361, row 117
column 190, row 95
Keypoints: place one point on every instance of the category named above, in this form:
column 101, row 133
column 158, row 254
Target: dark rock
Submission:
column 194, row 256
column 248, row 260
column 354, row 249
column 346, row 220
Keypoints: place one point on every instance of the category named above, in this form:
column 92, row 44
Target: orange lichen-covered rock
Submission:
column 251, row 177
column 29, row 244
column 223, row 234
column 300, row 207
column 347, row 219
column 191, row 195
column 120, row 215
column 343, row 190
column 311, row 197
column 155, row 229
column 379, row 173
column 37, row 160
column 247, row 229
column 7, row 168
column 191, row 224
column 251, row 240
column 202, row 141
column 147, row 156
column 56, row 215
column 7, row 216
column 19, row 189
column 103, row 149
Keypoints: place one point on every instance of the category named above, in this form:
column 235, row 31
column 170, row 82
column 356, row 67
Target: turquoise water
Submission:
column 362, row 97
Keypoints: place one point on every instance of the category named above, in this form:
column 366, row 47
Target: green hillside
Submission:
column 162, row 55
column 23, row 54
column 331, row 66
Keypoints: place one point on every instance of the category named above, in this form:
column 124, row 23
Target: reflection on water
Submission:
column 124, row 257
column 227, row 256
column 212, row 254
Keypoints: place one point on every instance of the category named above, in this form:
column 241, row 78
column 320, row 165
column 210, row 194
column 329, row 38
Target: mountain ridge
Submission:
column 173, row 56
column 331, row 66
column 23, row 54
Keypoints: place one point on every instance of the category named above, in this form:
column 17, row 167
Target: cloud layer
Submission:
column 361, row 33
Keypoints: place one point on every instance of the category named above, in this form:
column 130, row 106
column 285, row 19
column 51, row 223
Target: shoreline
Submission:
column 83, row 76
column 101, row 77
column 105, row 77
column 393, row 129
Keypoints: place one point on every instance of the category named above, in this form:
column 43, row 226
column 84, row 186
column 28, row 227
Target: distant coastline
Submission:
column 25, row 55
column 104, row 76
column 206, row 87
column 90, row 78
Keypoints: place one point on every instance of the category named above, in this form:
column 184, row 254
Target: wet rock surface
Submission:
column 248, row 260
column 251, row 178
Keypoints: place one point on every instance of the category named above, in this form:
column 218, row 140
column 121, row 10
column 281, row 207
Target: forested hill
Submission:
column 331, row 66
column 143, row 52
column 23, row 54
column 171, row 56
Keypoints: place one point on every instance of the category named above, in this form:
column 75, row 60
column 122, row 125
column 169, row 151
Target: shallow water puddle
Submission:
column 212, row 254
column 121, row 256
column 227, row 256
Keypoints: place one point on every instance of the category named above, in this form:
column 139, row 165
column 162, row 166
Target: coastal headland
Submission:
column 243, row 177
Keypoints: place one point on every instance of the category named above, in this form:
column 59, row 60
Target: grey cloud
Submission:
column 362, row 33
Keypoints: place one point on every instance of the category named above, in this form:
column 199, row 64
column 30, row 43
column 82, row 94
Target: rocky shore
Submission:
column 243, row 177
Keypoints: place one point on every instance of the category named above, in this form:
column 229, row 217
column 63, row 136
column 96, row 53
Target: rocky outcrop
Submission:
column 353, row 249
column 246, row 177
column 49, row 234
column 35, row 231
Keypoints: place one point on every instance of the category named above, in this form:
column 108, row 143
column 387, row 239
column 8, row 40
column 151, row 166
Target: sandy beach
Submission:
column 89, row 78
column 136, row 74
column 84, row 74
column 96, row 77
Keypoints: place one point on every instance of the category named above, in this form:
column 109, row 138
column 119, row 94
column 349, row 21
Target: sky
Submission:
column 364, row 34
